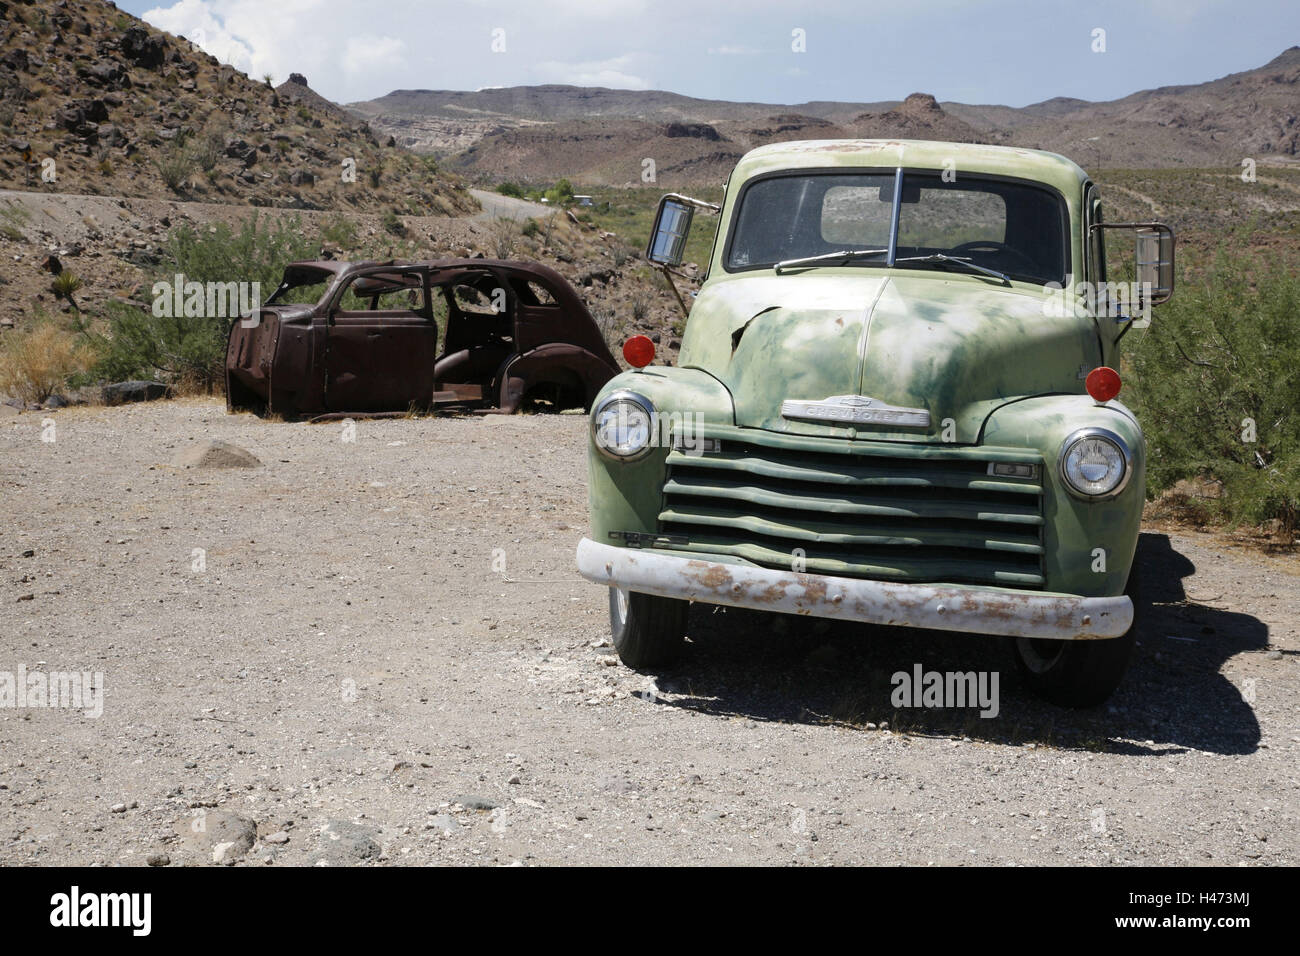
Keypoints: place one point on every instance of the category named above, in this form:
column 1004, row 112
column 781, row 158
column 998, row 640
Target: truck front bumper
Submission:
column 1012, row 613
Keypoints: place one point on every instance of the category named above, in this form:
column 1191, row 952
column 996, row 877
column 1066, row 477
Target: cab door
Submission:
column 381, row 343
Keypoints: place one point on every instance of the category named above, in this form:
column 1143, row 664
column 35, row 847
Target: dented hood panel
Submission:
column 954, row 346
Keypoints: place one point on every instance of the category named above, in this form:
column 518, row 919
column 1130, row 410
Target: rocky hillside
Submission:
column 1255, row 113
column 600, row 136
column 93, row 100
column 611, row 152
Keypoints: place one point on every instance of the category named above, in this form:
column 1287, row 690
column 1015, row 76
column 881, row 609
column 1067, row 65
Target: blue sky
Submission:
column 1013, row 52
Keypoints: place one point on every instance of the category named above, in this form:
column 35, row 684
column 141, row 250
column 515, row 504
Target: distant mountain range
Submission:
column 600, row 136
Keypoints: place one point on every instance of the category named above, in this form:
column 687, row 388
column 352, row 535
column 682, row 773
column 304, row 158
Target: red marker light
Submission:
column 1103, row 383
column 639, row 351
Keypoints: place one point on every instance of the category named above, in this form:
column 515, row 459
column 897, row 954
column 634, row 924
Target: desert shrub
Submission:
column 640, row 309
column 38, row 361
column 503, row 238
column 561, row 193
column 207, row 151
column 530, row 228
column 191, row 348
column 392, row 223
column 12, row 221
column 176, row 166
column 66, row 284
column 341, row 231
column 1218, row 386
column 510, row 189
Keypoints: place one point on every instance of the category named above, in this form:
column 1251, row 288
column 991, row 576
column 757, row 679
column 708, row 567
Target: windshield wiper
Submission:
column 844, row 255
column 940, row 258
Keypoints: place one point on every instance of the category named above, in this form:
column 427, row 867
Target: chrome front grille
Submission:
column 891, row 512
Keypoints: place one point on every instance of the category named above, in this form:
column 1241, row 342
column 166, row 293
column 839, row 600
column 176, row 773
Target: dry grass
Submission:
column 36, row 363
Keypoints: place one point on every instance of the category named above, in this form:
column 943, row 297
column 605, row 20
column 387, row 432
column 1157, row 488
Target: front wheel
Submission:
column 1077, row 673
column 648, row 631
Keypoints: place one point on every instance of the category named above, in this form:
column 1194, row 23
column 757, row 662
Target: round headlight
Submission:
column 623, row 425
column 1095, row 463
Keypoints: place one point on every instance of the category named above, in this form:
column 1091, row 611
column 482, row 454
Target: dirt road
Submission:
column 379, row 651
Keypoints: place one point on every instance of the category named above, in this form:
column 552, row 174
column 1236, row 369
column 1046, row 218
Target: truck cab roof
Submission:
column 1031, row 164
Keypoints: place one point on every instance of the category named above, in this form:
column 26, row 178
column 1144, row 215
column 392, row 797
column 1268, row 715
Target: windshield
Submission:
column 1011, row 227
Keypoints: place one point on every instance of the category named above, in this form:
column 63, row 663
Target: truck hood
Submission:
column 934, row 353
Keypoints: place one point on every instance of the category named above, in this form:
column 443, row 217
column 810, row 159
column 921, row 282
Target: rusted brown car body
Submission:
column 479, row 334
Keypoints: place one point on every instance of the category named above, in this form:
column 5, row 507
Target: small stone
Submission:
column 471, row 802
column 158, row 859
column 514, row 778
column 117, row 808
column 444, row 822
column 279, row 837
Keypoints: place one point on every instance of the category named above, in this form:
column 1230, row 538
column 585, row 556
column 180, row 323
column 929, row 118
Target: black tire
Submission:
column 648, row 631
column 1078, row 673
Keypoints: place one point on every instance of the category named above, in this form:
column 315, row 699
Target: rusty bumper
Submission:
column 939, row 607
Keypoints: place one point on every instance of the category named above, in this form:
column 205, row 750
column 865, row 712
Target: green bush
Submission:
column 510, row 189
column 191, row 349
column 561, row 193
column 1219, row 366
column 341, row 231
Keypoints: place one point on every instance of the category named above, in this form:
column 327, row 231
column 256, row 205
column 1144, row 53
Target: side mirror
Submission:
column 671, row 229
column 1154, row 256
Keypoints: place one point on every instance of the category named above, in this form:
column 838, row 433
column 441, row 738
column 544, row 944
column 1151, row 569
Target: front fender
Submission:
column 626, row 496
column 1089, row 544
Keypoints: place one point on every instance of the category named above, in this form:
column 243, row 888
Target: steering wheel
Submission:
column 993, row 246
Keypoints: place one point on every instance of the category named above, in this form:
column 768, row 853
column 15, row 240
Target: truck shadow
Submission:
column 797, row 669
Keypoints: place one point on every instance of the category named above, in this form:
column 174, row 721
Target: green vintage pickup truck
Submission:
column 894, row 404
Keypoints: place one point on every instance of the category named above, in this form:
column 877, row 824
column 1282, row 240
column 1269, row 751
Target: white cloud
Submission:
column 253, row 36
column 370, row 55
column 611, row 72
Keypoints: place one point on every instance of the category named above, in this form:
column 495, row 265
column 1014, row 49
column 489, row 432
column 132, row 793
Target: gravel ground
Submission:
column 383, row 654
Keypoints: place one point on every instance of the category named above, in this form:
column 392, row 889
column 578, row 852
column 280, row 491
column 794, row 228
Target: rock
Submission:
column 143, row 48
column 104, row 73
column 16, row 60
column 117, row 808
column 346, row 844
column 691, row 130
column 215, row 454
column 298, row 79
column 158, row 859
column 278, row 837
column 444, row 822
column 120, row 393
column 242, row 151
column 51, row 264
column 471, row 802
column 220, row 835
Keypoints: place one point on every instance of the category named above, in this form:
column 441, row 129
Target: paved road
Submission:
column 497, row 206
